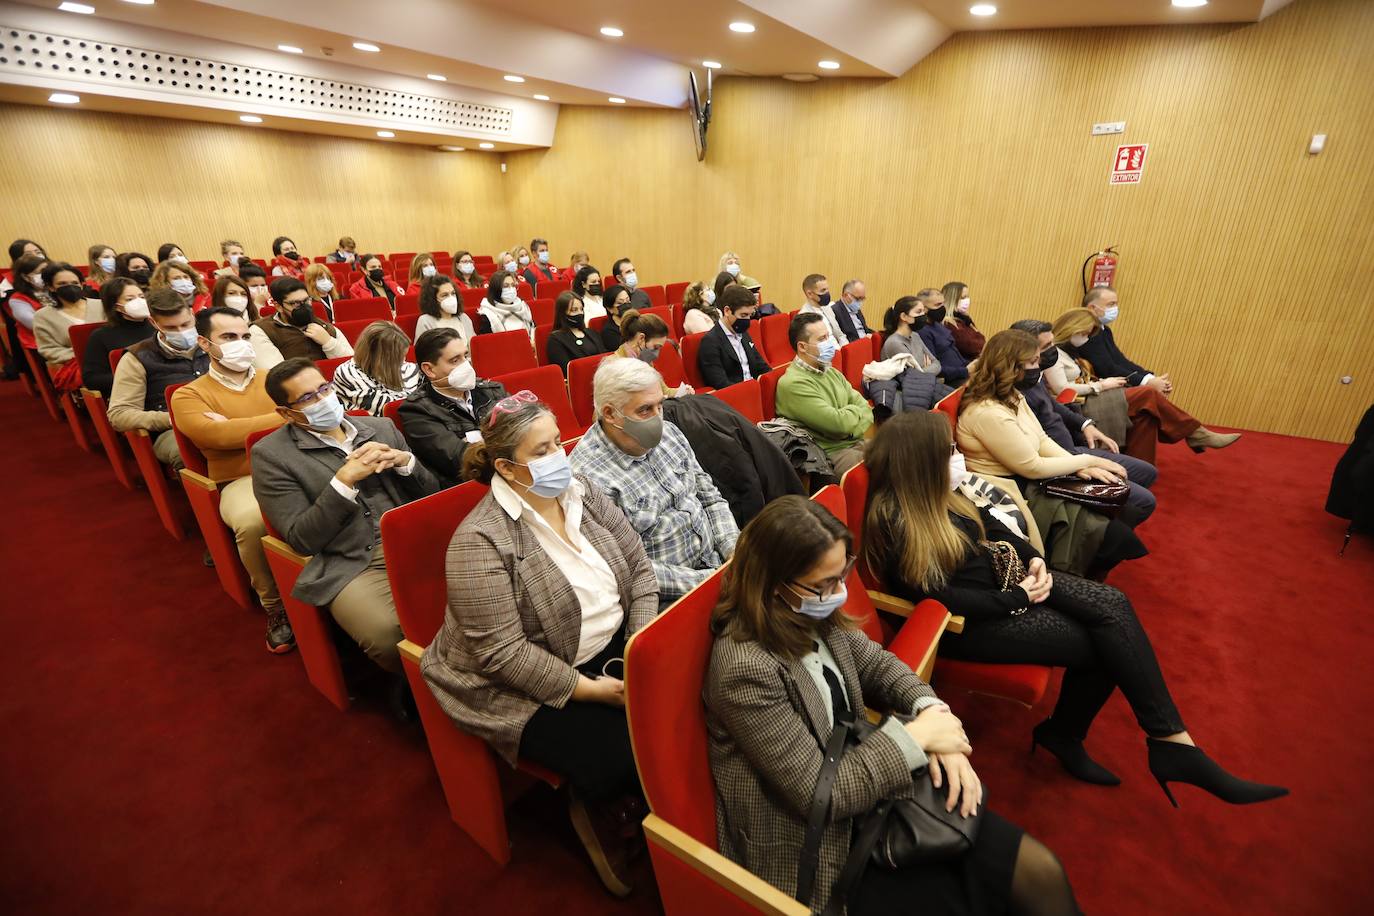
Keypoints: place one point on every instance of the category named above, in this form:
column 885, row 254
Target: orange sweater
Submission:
column 248, row 411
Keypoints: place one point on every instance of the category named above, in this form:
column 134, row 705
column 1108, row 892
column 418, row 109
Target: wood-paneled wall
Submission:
column 1246, row 264
column 71, row 179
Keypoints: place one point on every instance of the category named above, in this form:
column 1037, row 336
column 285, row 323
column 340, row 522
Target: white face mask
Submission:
column 236, row 355
column 449, row 304
column 183, row 286
column 708, row 296
column 464, row 268
column 510, row 267
column 237, row 303
column 234, row 259
column 732, row 269
column 179, row 258
column 962, row 306
column 1078, row 340
column 543, row 257
column 524, row 259
column 508, row 295
column 428, row 270
column 958, row 471
column 463, row 377
column 324, row 285
column 259, row 293
column 36, row 281
column 137, row 309
column 631, row 279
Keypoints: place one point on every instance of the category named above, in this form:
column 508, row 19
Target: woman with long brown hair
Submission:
column 927, row 541
column 379, row 372
column 184, row 280
column 422, row 267
column 786, row 667
column 319, row 283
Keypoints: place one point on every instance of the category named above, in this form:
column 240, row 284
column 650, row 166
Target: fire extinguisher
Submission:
column 1103, row 268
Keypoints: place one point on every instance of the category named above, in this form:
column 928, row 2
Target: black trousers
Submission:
column 588, row 744
column 1091, row 630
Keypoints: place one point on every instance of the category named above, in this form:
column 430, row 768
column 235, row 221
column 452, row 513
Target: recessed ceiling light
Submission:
column 487, row 145
column 611, row 31
column 829, row 65
column 983, row 9
column 743, row 28
column 385, row 134
column 290, row 49
column 140, row 2
column 1188, row 4
column 366, row 46
column 64, row 98
column 76, row 8
column 512, row 78
column 711, row 64
column 542, row 98
column 250, row 119
column 451, row 149
column 800, row 77
column 617, row 100
column 437, row 77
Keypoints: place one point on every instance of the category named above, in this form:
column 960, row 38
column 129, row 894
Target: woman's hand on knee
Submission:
column 965, row 788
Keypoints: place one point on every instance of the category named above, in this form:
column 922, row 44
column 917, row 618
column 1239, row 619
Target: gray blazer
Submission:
column 767, row 727
column 291, row 474
column 513, row 623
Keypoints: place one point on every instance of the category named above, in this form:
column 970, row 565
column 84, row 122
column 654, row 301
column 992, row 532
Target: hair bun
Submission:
column 477, row 463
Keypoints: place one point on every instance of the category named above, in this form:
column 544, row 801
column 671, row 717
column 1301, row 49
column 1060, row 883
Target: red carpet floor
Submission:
column 156, row 760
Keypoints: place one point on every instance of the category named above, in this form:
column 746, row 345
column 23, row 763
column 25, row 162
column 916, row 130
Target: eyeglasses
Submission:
column 829, row 585
column 312, row 397
column 292, row 303
column 513, row 403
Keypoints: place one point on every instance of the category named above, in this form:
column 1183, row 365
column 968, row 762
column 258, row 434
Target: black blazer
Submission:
column 720, row 367
column 436, row 427
column 564, row 347
column 1108, row 360
column 850, row 322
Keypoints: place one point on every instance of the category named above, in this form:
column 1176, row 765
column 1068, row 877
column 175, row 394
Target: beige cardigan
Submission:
column 997, row 442
column 52, row 331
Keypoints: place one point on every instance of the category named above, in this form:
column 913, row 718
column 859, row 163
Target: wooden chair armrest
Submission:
column 281, row 548
column 713, row 866
column 890, row 604
column 955, row 625
column 193, row 479
column 410, row 651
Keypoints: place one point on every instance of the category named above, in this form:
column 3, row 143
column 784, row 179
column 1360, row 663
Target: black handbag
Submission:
column 1107, row 497
column 897, row 833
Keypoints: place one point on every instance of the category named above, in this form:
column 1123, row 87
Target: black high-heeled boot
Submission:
column 1071, row 755
column 1174, row 762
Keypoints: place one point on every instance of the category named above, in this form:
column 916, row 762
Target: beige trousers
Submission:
column 238, row 507
column 165, row 448
column 846, row 459
column 367, row 612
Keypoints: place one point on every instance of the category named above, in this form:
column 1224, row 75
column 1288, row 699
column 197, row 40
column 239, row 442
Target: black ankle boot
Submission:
column 1174, row 762
column 1071, row 755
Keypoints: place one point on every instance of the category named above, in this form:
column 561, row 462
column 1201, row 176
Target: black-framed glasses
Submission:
column 313, row 397
column 829, row 586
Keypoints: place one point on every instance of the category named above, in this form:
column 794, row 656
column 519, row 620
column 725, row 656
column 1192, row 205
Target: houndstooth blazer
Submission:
column 513, row 622
column 767, row 727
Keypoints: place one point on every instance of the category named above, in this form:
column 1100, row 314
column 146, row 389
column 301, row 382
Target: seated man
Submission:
column 648, row 469
column 728, row 355
column 324, row 480
column 294, row 329
column 138, row 398
column 816, row 289
column 625, row 275
column 217, row 412
column 818, row 396
column 849, row 312
column 1079, row 435
column 446, row 412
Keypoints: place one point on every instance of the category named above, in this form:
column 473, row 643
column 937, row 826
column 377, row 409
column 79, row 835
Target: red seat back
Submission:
column 665, row 666
column 669, row 365
column 666, row 313
column 1066, row 396
column 503, row 352
column 541, row 343
column 859, row 606
column 746, row 397
column 205, row 267
column 472, row 301
column 408, row 304
column 656, row 295
column 541, row 310
column 524, row 291
column 853, row 358
column 772, row 337
column 361, row 309
column 949, row 405
column 352, row 329
column 408, row 323
column 691, row 349
column 391, row 410
column 768, row 391
column 402, row 257
column 547, row 383
column 415, row 538
column 81, row 335
column 549, row 289
column 328, row 367
column 877, row 341
column 191, row 455
column 673, row 292
column 597, row 323
column 580, row 375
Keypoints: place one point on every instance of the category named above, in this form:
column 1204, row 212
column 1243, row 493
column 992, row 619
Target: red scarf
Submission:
column 289, row 267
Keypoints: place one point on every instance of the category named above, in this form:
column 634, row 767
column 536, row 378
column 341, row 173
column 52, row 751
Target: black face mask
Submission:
column 1029, row 380
column 575, row 321
column 823, row 301
column 918, row 321
column 741, row 325
column 935, row 316
column 1049, row 358
column 69, row 294
column 293, row 255
column 376, row 275
column 301, row 315
column 140, row 275
column 595, row 289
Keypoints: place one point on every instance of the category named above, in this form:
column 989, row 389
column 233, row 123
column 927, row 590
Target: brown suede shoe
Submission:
column 600, row 828
column 1203, row 438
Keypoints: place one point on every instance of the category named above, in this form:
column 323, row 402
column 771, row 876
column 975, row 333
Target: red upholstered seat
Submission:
column 746, row 397
column 472, row 301
column 408, row 304
column 352, row 330
column 547, row 383
column 524, row 291
column 691, row 348
column 328, row 367
column 772, row 339
column 949, row 405
column 580, row 375
column 392, row 411
column 768, row 391
column 541, row 310
column 669, row 365
column 361, row 309
column 502, row 353
column 408, row 323
column 852, row 359
column 675, row 291
column 656, row 295
column 666, row 313
column 542, row 333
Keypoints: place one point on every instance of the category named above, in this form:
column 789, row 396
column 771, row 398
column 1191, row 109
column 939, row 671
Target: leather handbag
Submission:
column 897, row 833
column 1108, row 497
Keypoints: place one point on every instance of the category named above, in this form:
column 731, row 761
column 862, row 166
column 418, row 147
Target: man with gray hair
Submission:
column 849, row 311
column 647, row 467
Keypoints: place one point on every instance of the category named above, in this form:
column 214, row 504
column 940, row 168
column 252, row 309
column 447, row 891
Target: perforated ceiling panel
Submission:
column 26, row 51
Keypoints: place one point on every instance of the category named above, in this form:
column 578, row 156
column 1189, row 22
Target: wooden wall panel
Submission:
column 72, row 179
column 1246, row 265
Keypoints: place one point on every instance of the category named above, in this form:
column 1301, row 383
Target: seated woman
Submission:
column 730, row 264
column 374, row 283
column 465, row 271
column 1153, row 417
column 570, row 339
column 28, row 297
column 126, row 323
column 422, row 267
column 968, row 340
column 614, row 298
column 926, row 541
column 234, row 255
column 379, row 372
column 502, row 307
column 171, row 251
column 442, row 307
column 546, row 581
column 182, row 279
column 101, row 261
column 232, row 292
column 52, row 325
column 319, row 283
column 580, row 259
column 900, row 326
column 786, row 667
column 939, row 339
column 286, row 260
column 587, row 286
column 137, row 267
column 644, row 337
column 699, row 313
column 723, row 279
column 1001, row 438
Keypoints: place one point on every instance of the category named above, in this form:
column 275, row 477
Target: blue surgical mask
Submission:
column 826, row 350
column 1110, row 314
column 325, row 414
column 429, row 270
column 818, row 608
column 183, row 286
column 855, row 305
column 543, row 257
column 107, row 265
column 550, row 475
column 631, row 279
column 181, row 340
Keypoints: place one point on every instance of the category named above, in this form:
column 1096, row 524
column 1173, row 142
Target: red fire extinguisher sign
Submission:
column 1129, row 164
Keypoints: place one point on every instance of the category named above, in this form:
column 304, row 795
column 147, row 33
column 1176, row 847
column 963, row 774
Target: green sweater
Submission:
column 826, row 404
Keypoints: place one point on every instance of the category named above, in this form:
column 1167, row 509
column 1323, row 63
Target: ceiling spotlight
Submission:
column 829, row 65
column 512, row 78
column 711, row 64
column 76, row 8
column 385, row 134
column 451, row 149
column 1189, row 4
column 64, row 98
column 437, row 77
column 366, row 46
column 616, row 100
column 542, row 98
column 983, row 9
column 250, row 119
column 487, row 145
column 611, row 31
column 744, row 28
column 140, row 2
column 290, row 49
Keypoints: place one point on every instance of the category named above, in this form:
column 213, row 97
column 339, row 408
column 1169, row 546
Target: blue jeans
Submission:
column 1140, row 503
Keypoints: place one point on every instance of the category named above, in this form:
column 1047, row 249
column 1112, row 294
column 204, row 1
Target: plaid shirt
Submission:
column 671, row 502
